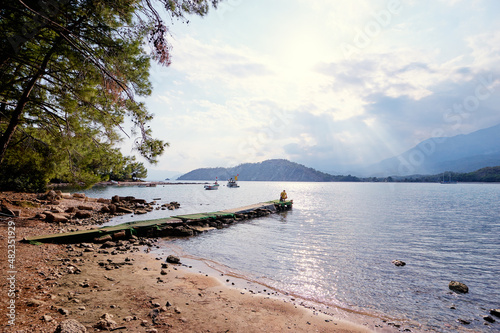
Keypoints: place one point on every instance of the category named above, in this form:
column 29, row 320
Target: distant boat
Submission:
column 232, row 182
column 449, row 181
column 214, row 186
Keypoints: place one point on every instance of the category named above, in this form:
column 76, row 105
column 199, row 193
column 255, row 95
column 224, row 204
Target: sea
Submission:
column 334, row 249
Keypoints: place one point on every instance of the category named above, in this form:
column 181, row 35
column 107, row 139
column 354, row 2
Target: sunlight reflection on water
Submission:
column 337, row 243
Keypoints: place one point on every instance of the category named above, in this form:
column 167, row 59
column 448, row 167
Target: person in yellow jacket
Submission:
column 283, row 196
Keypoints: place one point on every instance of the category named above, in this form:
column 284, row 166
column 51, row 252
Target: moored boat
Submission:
column 231, row 183
column 214, row 186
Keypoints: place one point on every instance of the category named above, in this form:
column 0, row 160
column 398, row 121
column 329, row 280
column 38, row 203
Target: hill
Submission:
column 269, row 170
column 488, row 174
column 461, row 153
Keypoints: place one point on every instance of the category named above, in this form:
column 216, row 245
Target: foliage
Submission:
column 70, row 75
column 26, row 168
column 129, row 169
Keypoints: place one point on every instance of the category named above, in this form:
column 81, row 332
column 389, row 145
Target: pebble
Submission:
column 47, row 318
column 63, row 311
column 489, row 319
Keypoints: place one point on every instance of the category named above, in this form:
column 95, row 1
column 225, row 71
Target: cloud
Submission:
column 284, row 89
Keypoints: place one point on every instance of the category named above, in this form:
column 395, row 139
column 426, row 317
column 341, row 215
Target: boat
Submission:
column 231, row 183
column 449, row 181
column 214, row 186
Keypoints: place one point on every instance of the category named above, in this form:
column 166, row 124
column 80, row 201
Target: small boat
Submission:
column 449, row 181
column 232, row 182
column 214, row 186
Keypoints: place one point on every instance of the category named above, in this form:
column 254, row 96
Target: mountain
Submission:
column 461, row 153
column 269, row 170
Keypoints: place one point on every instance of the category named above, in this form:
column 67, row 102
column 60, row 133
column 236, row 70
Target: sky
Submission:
column 328, row 84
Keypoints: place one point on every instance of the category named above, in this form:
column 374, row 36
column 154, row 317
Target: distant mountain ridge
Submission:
column 460, row 153
column 269, row 170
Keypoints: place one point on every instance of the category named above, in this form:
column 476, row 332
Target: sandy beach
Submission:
column 123, row 287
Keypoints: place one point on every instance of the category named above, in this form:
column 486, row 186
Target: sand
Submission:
column 137, row 291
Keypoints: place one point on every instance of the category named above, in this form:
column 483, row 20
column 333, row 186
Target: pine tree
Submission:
column 70, row 74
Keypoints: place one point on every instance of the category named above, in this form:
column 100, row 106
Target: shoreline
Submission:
column 55, row 282
column 231, row 279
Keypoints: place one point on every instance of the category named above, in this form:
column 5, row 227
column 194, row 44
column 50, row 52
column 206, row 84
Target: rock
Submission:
column 495, row 312
column 173, row 259
column 70, row 326
column 79, row 195
column 57, row 210
column 140, row 211
column 398, row 263
column 119, row 235
column 112, row 208
column 51, row 195
column 71, row 210
column 106, row 322
column 63, row 311
column 7, row 211
column 163, row 272
column 115, row 199
column 47, row 318
column 102, row 200
column 74, row 270
column 103, row 239
column 85, row 207
column 463, row 321
column 83, row 214
column 105, row 209
column 182, row 231
column 458, row 287
column 489, row 319
column 139, row 201
column 121, row 209
column 55, row 217
column 108, row 244
column 34, row 302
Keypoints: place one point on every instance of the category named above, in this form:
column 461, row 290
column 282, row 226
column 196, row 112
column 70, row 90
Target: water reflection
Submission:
column 337, row 243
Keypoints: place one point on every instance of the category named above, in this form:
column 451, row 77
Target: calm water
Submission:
column 335, row 247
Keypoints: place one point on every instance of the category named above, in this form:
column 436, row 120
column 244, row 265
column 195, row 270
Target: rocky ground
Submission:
column 120, row 286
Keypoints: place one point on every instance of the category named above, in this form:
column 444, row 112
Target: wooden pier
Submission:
column 177, row 226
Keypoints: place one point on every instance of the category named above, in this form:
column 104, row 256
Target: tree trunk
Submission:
column 18, row 111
